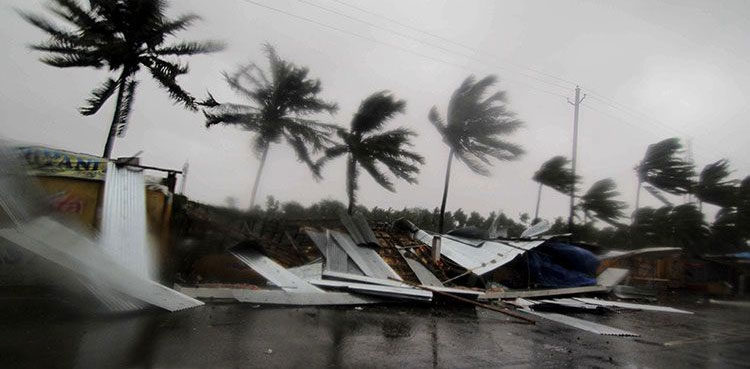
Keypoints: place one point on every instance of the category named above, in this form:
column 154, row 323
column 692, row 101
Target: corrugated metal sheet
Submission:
column 123, row 227
column 367, row 259
column 359, row 230
column 309, row 271
column 273, row 272
column 423, row 274
column 378, row 290
column 53, row 241
column 628, row 305
column 335, row 257
column 266, row 297
column 581, row 324
column 479, row 256
column 392, row 283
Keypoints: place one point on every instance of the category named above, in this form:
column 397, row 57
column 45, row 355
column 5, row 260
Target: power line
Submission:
column 469, row 48
column 324, row 25
column 406, row 36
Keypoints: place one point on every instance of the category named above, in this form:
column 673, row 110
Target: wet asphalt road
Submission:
column 37, row 334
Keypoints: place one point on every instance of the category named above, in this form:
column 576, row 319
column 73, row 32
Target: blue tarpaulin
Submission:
column 558, row 265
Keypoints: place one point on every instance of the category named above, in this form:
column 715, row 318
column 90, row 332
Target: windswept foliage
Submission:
column 123, row 36
column 368, row 147
column 279, row 102
column 600, row 200
column 556, row 174
column 664, row 168
column 714, row 187
column 474, row 126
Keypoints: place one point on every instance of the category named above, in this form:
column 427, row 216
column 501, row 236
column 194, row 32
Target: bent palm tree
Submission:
column 600, row 200
column 279, row 103
column 122, row 36
column 713, row 186
column 663, row 168
column 473, row 129
column 556, row 174
column 366, row 145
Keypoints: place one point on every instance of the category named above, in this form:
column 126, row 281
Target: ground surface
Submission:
column 38, row 334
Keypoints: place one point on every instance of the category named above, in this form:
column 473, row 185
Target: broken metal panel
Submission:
column 423, row 274
column 392, row 283
column 364, row 229
column 481, row 259
column 336, row 258
column 309, row 271
column 611, row 277
column 112, row 300
column 582, row 324
column 278, row 297
column 272, row 271
column 541, row 293
column 319, row 239
column 365, row 258
column 628, row 305
column 123, row 226
column 57, row 243
column 537, row 229
column 352, row 229
column 378, row 290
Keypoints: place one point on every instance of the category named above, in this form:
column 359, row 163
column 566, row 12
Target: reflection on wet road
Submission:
column 236, row 336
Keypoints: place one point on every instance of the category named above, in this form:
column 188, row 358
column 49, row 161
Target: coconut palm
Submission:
column 713, row 185
column 663, row 168
column 123, row 36
column 473, row 129
column 279, row 103
column 366, row 145
column 556, row 174
column 600, row 200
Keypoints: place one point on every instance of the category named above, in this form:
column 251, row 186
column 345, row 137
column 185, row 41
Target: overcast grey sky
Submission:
column 652, row 69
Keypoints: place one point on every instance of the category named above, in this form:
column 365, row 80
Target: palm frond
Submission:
column 556, row 174
column 663, row 167
column 713, row 185
column 165, row 74
column 125, row 107
column 99, row 96
column 475, row 124
column 600, row 200
column 375, row 111
column 376, row 174
column 191, row 48
column 303, row 153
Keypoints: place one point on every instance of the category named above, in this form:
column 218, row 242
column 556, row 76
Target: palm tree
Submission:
column 713, row 186
column 600, row 200
column 663, row 168
column 366, row 145
column 556, row 174
column 122, row 36
column 474, row 127
column 278, row 105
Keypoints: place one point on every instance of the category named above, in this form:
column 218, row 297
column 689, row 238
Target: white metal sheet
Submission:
column 366, row 259
column 273, row 272
column 480, row 260
column 123, row 226
column 424, row 275
column 378, row 290
column 53, row 241
column 628, row 305
column 582, row 324
column 278, row 297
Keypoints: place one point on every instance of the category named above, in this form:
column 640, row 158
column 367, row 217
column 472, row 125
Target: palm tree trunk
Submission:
column 538, row 199
column 257, row 176
column 445, row 191
column 116, row 117
column 351, row 182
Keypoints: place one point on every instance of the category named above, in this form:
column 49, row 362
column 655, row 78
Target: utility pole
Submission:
column 576, row 104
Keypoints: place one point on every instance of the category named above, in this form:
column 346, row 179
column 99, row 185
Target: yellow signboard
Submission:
column 43, row 161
